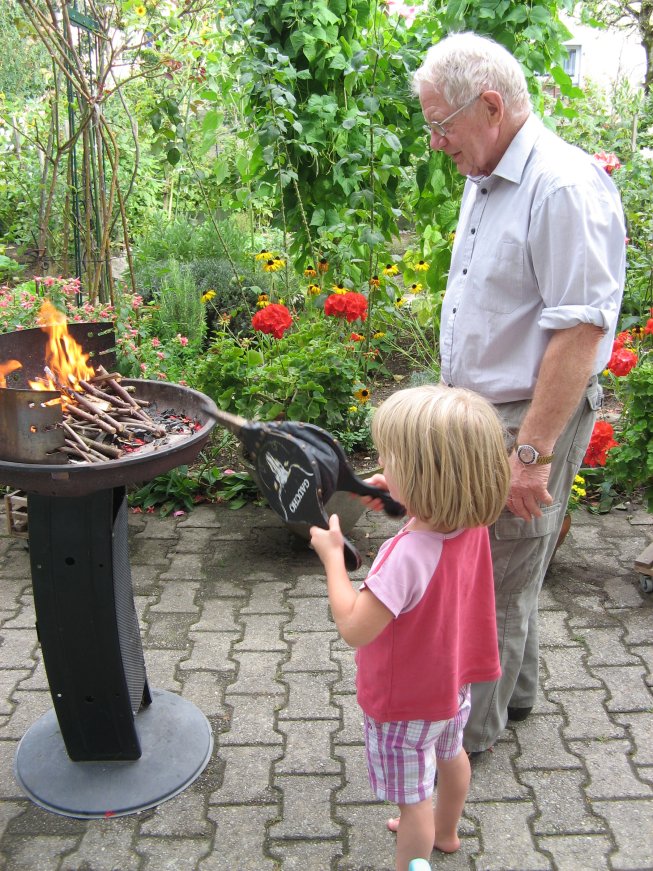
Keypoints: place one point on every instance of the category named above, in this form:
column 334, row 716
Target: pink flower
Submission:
column 156, row 342
column 183, row 341
column 143, row 367
column 160, row 355
column 137, row 301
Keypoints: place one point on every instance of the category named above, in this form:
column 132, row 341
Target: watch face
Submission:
column 526, row 454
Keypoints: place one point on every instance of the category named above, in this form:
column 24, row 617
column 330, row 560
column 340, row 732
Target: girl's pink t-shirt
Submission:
column 440, row 589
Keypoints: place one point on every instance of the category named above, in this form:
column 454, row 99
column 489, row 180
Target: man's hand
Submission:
column 527, row 489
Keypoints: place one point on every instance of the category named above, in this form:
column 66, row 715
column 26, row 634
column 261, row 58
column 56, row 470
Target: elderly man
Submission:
column 528, row 321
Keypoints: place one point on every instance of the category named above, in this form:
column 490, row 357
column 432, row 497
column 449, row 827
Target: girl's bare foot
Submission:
column 445, row 845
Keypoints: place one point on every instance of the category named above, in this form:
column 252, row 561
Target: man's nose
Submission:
column 437, row 141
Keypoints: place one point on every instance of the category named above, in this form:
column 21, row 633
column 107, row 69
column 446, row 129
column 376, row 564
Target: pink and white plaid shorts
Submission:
column 401, row 755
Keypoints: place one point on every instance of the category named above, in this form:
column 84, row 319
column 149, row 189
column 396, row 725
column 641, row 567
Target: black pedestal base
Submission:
column 176, row 740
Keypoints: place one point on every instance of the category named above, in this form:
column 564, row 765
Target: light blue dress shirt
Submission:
column 540, row 246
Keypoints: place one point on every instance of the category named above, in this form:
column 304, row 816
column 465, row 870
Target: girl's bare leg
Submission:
column 453, row 785
column 415, row 833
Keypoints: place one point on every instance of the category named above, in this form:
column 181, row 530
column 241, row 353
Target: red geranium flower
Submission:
column 350, row 305
column 622, row 361
column 622, row 339
column 600, row 443
column 649, row 326
column 274, row 319
column 609, row 162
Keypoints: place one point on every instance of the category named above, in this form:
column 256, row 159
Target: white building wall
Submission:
column 606, row 55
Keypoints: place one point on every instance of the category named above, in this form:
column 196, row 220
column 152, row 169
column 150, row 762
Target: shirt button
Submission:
column 473, row 230
column 464, row 272
column 483, row 190
column 450, row 384
column 454, row 311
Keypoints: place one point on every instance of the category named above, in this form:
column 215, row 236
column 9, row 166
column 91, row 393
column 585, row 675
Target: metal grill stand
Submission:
column 109, row 747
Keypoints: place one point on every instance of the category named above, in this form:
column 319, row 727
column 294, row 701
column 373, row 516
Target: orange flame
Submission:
column 63, row 356
column 6, row 369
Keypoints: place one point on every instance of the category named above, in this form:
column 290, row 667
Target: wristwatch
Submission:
column 527, row 455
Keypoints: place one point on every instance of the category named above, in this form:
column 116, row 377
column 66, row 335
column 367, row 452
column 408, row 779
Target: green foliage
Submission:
column 25, row 61
column 9, row 268
column 630, row 465
column 306, row 375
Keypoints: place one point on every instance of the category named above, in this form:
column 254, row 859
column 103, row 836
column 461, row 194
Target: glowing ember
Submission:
column 63, row 356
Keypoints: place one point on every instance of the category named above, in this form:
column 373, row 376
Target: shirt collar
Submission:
column 511, row 166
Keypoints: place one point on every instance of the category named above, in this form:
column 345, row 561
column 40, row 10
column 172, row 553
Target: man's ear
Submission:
column 492, row 103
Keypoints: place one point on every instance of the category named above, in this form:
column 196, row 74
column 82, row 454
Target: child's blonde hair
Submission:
column 445, row 449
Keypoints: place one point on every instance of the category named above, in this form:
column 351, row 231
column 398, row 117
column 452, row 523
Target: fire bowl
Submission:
column 81, row 479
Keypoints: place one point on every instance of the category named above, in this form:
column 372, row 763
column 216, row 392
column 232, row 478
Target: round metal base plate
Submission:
column 176, row 743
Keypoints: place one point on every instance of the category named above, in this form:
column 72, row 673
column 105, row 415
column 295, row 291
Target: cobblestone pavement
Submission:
column 234, row 618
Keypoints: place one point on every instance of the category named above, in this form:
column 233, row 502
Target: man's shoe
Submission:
column 518, row 714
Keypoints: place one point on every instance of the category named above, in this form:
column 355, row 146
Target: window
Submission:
column 571, row 64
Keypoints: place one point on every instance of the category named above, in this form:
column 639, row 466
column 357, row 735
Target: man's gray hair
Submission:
column 464, row 65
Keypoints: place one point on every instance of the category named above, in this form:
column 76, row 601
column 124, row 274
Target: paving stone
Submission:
column 219, row 615
column 263, row 632
column 18, row 648
column 307, row 748
column 247, row 775
column 347, row 680
column 184, row 565
column 506, row 838
column 267, row 597
column 626, row 687
column 541, row 745
column 240, row 840
column 9, row 682
column 356, row 788
column 640, row 726
column 622, row 591
column 310, row 615
column 554, row 631
column 193, row 539
column 306, row 807
column 168, row 631
column 106, row 845
column 9, row 810
column 638, row 627
column 200, row 516
column 161, row 669
column 307, row 586
column 184, row 816
column 171, row 854
column 309, row 651
column 206, row 690
column 611, row 774
column 586, row 715
column 29, row 707
column 309, row 698
column 352, row 719
column 252, row 720
column 371, row 846
column 561, row 802
column 177, row 596
column 145, row 579
column 566, row 669
column 25, row 616
column 575, row 852
column 631, row 824
column 304, row 855
column 209, row 650
column 257, row 673
column 38, row 852
column 606, row 647
column 148, row 552
column 493, row 776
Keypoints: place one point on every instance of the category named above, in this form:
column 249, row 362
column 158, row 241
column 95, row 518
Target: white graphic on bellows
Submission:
column 281, row 475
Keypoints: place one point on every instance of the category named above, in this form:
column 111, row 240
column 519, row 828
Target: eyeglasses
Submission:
column 440, row 126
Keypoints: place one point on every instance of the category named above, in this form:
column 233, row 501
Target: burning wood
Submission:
column 102, row 420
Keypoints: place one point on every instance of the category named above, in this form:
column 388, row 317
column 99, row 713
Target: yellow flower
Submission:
column 208, row 296
column 263, row 300
column 399, row 302
column 310, row 272
column 273, row 264
column 391, row 269
column 579, row 479
column 374, row 281
column 323, row 264
column 378, row 335
column 353, row 409
column 225, row 318
column 140, row 10
column 339, row 288
column 264, row 254
column 363, row 395
column 314, row 289
column 415, row 288
column 422, row 266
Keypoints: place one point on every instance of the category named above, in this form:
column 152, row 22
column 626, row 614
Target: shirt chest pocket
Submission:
column 499, row 287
